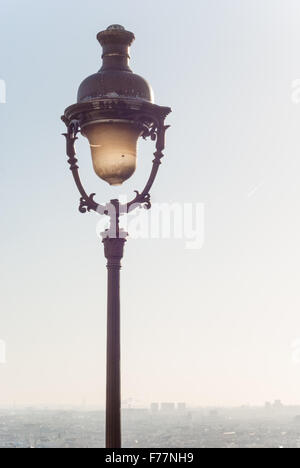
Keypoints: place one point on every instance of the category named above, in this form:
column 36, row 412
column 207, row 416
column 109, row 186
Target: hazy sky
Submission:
column 212, row 326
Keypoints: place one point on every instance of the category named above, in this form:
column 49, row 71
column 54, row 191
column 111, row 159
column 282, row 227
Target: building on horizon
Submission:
column 167, row 407
column 181, row 406
column 277, row 404
column 154, row 407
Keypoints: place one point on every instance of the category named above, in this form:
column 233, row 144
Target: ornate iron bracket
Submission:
column 87, row 202
column 157, row 133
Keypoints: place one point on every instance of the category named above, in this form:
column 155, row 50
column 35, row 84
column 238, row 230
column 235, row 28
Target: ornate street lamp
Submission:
column 114, row 108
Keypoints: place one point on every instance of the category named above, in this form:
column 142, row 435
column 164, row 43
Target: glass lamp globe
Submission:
column 114, row 149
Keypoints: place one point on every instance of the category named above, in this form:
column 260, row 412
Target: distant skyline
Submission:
column 218, row 326
column 138, row 405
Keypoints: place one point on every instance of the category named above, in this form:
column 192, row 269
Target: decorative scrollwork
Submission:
column 143, row 200
column 87, row 204
column 73, row 163
column 157, row 132
column 150, row 131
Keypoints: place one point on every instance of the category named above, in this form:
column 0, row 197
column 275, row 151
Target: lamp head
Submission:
column 114, row 108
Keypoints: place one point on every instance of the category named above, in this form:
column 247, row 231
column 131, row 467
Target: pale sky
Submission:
column 214, row 326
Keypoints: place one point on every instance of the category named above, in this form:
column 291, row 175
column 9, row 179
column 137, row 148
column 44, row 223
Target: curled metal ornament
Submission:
column 85, row 205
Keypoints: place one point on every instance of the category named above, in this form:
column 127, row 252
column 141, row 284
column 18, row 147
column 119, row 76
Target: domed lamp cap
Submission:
column 116, row 34
column 115, row 78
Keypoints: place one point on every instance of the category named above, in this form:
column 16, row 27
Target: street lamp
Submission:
column 114, row 108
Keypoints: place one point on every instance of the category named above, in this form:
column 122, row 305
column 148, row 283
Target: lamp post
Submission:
column 114, row 108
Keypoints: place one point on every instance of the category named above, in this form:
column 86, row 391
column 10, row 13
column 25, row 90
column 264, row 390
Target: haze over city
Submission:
column 216, row 326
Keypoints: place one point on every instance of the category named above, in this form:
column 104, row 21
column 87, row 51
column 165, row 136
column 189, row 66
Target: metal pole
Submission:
column 113, row 249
